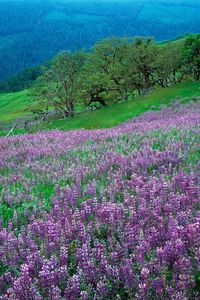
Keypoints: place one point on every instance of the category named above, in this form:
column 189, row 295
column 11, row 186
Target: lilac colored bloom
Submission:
column 103, row 214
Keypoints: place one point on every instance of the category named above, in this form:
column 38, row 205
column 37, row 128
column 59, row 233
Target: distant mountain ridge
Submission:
column 33, row 31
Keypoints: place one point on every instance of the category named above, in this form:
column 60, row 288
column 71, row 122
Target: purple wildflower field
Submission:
column 103, row 214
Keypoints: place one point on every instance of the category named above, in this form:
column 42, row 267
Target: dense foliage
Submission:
column 57, row 86
column 21, row 81
column 115, row 69
column 105, row 214
column 192, row 55
column 33, row 31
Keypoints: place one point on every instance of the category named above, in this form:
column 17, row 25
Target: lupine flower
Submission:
column 103, row 214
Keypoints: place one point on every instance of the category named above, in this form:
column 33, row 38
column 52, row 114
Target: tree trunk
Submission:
column 174, row 76
column 123, row 93
column 71, row 109
column 147, row 82
column 197, row 73
column 101, row 101
column 96, row 98
column 121, row 89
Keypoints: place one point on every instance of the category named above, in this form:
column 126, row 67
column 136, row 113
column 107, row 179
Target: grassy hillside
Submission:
column 121, row 112
column 13, row 105
column 110, row 214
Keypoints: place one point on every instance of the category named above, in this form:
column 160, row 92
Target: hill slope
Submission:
column 14, row 106
column 33, row 31
column 103, row 214
column 121, row 112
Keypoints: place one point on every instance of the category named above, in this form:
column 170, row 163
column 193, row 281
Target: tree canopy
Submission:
column 56, row 88
column 192, row 54
column 114, row 70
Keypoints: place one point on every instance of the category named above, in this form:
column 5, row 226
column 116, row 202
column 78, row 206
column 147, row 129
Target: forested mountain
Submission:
column 33, row 31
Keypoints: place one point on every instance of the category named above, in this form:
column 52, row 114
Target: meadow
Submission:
column 14, row 106
column 103, row 214
column 113, row 115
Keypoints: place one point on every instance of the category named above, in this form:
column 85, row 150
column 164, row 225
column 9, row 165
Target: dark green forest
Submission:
column 33, row 31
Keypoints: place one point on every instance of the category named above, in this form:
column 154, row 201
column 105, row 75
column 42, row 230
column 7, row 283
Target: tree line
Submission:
column 115, row 70
column 33, row 31
column 21, row 81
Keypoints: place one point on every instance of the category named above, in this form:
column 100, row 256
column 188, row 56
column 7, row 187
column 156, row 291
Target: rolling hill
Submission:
column 99, row 185
column 103, row 214
column 33, row 31
column 15, row 106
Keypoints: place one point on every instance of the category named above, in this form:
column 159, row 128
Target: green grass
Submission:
column 14, row 105
column 121, row 112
